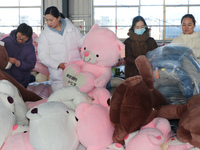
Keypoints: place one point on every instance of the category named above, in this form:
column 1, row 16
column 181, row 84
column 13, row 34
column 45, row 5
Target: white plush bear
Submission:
column 52, row 127
column 7, row 117
column 20, row 106
column 71, row 96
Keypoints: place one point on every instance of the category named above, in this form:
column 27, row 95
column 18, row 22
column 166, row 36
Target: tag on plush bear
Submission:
column 73, row 79
column 83, row 80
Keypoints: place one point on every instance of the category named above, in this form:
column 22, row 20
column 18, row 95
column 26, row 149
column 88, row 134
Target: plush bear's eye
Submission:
column 97, row 55
column 84, row 48
column 34, row 111
column 10, row 99
column 67, row 112
column 76, row 118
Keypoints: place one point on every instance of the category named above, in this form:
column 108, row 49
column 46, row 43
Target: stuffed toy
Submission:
column 161, row 124
column 20, row 108
column 26, row 94
column 146, row 139
column 94, row 129
column 188, row 115
column 100, row 51
column 156, row 135
column 135, row 102
column 71, row 96
column 18, row 140
column 7, row 116
column 176, row 72
column 52, row 127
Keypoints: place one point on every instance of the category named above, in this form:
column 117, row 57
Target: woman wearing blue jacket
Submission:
column 21, row 53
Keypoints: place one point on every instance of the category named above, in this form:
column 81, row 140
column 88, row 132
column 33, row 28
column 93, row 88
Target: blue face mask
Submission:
column 139, row 31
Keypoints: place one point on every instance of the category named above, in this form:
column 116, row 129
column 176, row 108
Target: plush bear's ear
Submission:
column 95, row 26
column 33, row 113
column 81, row 108
column 120, row 45
column 145, row 70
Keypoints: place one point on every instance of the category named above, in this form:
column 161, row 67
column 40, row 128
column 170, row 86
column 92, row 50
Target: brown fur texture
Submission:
column 189, row 122
column 135, row 102
column 26, row 94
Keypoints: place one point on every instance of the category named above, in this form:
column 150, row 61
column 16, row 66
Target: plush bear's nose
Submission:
column 86, row 54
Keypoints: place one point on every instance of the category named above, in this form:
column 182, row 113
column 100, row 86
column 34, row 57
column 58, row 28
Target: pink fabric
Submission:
column 39, row 67
column 33, row 104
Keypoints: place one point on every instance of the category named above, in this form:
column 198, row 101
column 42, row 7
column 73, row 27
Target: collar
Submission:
column 63, row 25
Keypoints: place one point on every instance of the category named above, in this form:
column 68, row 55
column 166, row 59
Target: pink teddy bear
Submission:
column 100, row 51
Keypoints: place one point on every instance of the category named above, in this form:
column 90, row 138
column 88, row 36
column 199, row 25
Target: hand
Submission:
column 17, row 63
column 62, row 66
column 14, row 61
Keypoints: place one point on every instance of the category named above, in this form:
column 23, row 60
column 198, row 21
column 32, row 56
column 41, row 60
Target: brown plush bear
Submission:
column 189, row 122
column 135, row 102
column 26, row 94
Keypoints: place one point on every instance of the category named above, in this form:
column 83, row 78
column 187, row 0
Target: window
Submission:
column 15, row 12
column 162, row 16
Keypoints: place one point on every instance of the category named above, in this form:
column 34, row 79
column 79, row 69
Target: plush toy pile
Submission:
column 135, row 117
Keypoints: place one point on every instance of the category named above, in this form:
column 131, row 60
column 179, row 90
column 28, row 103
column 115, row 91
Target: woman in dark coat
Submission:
column 21, row 53
column 138, row 43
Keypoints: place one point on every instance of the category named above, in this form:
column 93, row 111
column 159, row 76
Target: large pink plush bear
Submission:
column 100, row 51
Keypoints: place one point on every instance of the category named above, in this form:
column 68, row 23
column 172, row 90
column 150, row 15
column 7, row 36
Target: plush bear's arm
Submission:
column 104, row 78
column 78, row 62
column 171, row 111
column 116, row 102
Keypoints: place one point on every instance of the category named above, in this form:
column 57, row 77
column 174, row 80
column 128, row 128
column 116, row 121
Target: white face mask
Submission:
column 139, row 31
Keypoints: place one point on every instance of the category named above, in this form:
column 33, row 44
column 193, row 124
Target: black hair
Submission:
column 52, row 10
column 135, row 20
column 189, row 16
column 25, row 30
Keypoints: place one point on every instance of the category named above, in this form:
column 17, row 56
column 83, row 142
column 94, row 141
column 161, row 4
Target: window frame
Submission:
column 164, row 38
column 19, row 17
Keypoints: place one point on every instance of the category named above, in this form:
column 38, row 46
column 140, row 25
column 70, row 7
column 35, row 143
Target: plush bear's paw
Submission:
column 83, row 80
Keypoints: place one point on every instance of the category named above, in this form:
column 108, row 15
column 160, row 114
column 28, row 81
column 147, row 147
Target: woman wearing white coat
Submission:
column 58, row 44
column 189, row 37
